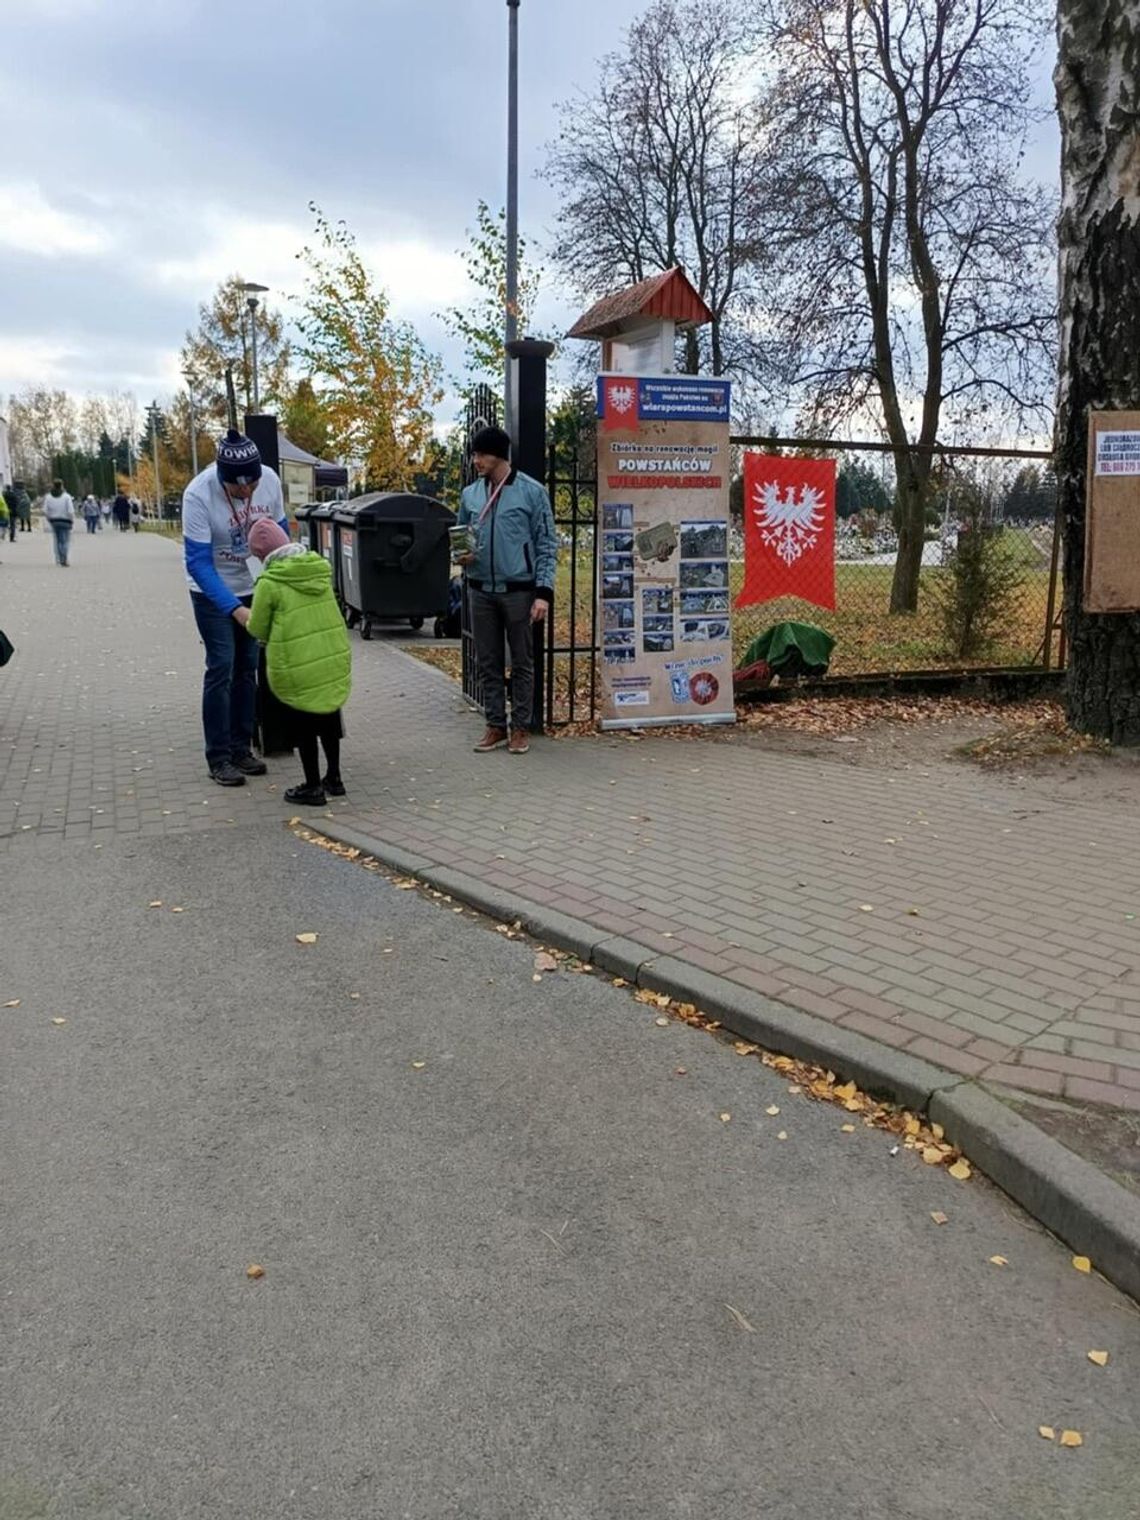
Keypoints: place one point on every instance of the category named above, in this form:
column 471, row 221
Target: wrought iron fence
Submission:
column 991, row 601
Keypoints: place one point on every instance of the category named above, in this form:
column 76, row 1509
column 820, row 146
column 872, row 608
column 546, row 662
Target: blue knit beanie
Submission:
column 239, row 463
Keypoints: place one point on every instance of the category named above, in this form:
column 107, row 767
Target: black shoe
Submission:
column 250, row 765
column 308, row 796
column 334, row 786
column 227, row 775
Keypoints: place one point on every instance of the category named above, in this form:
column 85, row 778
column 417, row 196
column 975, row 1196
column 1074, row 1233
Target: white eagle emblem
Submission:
column 789, row 526
column 621, row 398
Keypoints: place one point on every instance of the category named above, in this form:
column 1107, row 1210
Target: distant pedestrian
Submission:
column 136, row 515
column 6, row 516
column 510, row 575
column 219, row 507
column 59, row 510
column 8, row 513
column 105, row 520
column 307, row 653
column 91, row 513
column 23, row 505
column 121, row 510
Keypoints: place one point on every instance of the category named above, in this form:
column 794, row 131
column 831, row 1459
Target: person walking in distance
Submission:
column 91, row 513
column 510, row 576
column 136, row 514
column 23, row 505
column 59, row 509
column 105, row 519
column 121, row 510
column 10, row 514
column 219, row 507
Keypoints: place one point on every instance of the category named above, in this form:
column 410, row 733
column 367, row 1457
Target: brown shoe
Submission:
column 494, row 738
column 519, row 743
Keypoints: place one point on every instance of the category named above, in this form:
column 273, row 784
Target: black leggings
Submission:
column 308, row 729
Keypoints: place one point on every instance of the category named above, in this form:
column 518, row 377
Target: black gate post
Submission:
column 529, row 358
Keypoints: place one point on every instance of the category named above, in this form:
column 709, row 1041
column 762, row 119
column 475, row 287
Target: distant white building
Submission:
column 5, row 455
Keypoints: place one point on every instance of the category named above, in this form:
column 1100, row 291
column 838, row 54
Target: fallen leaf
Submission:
column 938, row 1216
column 59, row 1021
column 1072, row 1438
column 1046, row 1432
column 848, row 1090
column 743, row 1048
column 1099, row 1357
column 255, row 1271
column 912, row 1126
column 156, row 904
column 387, row 952
column 663, row 1023
column 960, row 1171
column 771, row 1109
column 866, row 908
column 620, row 981
column 937, row 1131
column 932, row 1155
column 681, row 1071
column 913, row 913
column 308, row 938
column 740, row 1319
column 999, row 1261
column 794, row 1089
column 1082, row 1263
column 418, row 1065
column 848, row 1129
column 854, row 1105
column 354, row 996
column 724, row 1118
column 12, row 1003
column 544, row 961
column 178, row 910
column 536, row 977
column 783, row 1135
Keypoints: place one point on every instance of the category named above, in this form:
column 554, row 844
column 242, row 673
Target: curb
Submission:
column 1073, row 1199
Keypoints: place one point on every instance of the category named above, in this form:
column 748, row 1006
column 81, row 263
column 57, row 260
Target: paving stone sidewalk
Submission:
column 935, row 909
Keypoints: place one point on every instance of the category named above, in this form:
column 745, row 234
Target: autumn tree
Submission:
column 654, row 167
column 912, row 264
column 1098, row 97
column 41, row 424
column 479, row 324
column 377, row 383
column 304, row 420
column 224, row 337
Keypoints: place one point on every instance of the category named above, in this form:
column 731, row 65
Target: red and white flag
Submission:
column 789, row 530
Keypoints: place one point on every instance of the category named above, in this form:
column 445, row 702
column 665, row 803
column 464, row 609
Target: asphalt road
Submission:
column 495, row 1286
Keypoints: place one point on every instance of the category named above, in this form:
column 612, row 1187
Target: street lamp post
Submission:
column 252, row 292
column 153, row 414
column 511, row 325
column 193, row 424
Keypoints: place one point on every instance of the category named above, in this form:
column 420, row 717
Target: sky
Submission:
column 152, row 147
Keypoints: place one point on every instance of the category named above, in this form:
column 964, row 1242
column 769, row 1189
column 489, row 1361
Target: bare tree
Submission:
column 653, row 166
column 912, row 264
column 1098, row 97
column 42, row 424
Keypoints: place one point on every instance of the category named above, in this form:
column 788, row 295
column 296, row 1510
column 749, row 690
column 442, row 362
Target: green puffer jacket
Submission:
column 296, row 617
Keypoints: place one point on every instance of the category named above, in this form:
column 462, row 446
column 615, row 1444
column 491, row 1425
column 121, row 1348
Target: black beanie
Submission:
column 238, row 459
column 491, row 440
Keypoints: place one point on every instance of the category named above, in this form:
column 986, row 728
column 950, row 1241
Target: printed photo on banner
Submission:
column 697, row 602
column 620, row 640
column 704, row 575
column 617, row 564
column 618, row 654
column 657, row 635
column 704, row 630
column 656, row 601
column 704, row 540
column 617, row 543
column 617, row 587
column 617, row 615
column 617, row 517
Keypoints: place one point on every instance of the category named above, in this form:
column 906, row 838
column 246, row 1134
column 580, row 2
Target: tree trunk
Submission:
column 1098, row 99
column 911, row 496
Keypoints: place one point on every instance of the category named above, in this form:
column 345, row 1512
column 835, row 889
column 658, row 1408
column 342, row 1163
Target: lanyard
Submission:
column 493, row 498
column 240, row 527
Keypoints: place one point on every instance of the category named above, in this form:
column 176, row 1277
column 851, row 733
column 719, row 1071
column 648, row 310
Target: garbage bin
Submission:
column 394, row 562
column 318, row 535
column 308, row 534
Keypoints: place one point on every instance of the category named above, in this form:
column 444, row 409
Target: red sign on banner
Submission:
column 619, row 403
column 789, row 530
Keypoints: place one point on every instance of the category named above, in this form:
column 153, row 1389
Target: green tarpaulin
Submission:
column 791, row 649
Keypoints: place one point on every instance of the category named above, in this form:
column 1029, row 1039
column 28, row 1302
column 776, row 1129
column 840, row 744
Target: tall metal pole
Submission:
column 193, row 426
column 154, row 449
column 253, row 343
column 511, row 325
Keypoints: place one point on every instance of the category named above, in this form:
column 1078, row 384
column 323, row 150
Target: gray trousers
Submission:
column 495, row 617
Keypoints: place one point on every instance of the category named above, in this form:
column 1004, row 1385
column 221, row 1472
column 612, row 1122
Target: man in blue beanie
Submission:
column 219, row 507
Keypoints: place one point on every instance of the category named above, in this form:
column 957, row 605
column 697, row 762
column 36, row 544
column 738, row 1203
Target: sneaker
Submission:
column 494, row 738
column 308, row 796
column 250, row 765
column 334, row 786
column 519, row 742
column 227, row 775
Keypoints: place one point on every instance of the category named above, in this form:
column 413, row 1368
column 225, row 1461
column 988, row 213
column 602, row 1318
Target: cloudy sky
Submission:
column 151, row 147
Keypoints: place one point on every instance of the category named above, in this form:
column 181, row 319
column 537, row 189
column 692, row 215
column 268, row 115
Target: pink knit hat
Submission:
column 265, row 536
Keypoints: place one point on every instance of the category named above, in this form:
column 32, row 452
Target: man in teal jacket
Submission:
column 510, row 576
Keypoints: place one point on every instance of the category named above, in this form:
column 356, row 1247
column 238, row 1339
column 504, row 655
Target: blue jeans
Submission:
column 61, row 540
column 229, row 691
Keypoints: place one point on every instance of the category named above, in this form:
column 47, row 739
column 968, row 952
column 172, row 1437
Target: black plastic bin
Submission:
column 393, row 558
column 318, row 534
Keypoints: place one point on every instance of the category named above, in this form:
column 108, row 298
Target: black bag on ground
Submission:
column 7, row 649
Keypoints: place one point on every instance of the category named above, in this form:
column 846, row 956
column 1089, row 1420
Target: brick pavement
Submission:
column 939, row 910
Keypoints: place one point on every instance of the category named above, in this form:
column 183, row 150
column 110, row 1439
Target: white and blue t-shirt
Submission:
column 215, row 534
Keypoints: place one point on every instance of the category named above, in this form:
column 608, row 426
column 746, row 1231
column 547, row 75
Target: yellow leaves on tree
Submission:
column 376, row 382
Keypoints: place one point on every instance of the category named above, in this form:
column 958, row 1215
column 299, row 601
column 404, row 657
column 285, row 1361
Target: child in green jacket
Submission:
column 307, row 654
